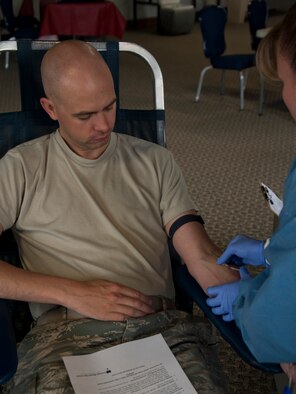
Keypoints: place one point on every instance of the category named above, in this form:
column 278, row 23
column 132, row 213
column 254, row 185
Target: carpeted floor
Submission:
column 223, row 152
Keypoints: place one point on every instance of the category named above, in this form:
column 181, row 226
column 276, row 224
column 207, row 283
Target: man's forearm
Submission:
column 199, row 253
column 22, row 285
column 98, row 299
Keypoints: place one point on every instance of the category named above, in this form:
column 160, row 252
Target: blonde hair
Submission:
column 281, row 39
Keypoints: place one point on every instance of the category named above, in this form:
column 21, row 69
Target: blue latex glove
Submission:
column 223, row 297
column 243, row 250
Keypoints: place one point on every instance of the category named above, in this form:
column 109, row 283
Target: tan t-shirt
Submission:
column 86, row 219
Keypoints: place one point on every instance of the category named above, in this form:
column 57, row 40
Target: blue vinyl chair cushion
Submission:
column 234, row 62
column 228, row 330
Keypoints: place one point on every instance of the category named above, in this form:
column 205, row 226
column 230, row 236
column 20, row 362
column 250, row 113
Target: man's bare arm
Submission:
column 98, row 299
column 199, row 253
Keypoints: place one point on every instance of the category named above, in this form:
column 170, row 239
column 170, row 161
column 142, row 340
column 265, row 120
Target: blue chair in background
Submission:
column 257, row 18
column 212, row 23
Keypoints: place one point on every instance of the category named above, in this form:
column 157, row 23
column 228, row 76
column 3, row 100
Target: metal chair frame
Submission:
column 11, row 46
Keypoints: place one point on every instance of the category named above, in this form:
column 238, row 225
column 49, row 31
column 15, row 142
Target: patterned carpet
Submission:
column 223, row 152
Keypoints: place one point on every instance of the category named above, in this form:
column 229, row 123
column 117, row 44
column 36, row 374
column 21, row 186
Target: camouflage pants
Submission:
column 41, row 369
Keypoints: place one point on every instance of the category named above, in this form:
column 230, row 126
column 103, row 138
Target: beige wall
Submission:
column 237, row 10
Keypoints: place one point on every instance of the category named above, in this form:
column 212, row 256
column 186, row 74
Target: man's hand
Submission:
column 97, row 299
column 223, row 297
column 104, row 300
column 243, row 250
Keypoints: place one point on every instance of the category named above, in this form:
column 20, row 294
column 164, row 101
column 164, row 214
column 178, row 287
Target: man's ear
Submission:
column 48, row 107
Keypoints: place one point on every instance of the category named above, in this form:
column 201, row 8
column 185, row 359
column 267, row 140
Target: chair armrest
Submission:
column 8, row 353
column 228, row 330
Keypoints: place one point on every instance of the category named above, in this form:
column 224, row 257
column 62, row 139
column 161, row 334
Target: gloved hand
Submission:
column 223, row 297
column 243, row 250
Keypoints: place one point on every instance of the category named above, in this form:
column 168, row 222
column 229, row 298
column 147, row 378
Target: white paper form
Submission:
column 144, row 366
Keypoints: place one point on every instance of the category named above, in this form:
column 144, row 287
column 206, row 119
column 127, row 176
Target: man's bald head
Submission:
column 70, row 62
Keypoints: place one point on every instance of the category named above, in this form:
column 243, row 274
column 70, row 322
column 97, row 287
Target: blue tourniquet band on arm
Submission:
column 183, row 220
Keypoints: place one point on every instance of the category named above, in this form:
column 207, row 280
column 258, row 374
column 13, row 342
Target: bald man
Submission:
column 91, row 211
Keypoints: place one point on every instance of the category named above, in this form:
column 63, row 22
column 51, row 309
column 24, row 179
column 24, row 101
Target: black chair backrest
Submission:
column 257, row 17
column 148, row 124
column 30, row 54
column 212, row 23
column 18, row 127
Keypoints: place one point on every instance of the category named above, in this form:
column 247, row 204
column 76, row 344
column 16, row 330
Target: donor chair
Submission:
column 212, row 24
column 148, row 123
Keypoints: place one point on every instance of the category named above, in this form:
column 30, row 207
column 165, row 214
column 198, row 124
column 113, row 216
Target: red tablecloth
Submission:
column 82, row 19
column 26, row 8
